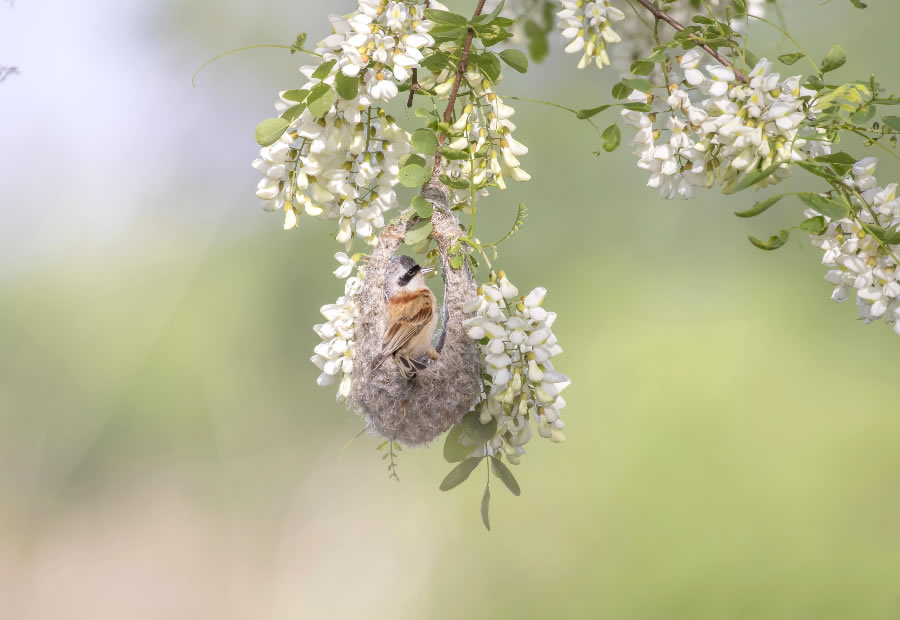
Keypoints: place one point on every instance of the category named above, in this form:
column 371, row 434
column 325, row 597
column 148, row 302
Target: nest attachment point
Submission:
column 417, row 411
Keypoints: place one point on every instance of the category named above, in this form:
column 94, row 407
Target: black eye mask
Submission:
column 409, row 275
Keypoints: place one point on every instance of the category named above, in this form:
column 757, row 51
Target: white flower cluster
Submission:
column 334, row 355
column 344, row 164
column 856, row 260
column 728, row 128
column 637, row 36
column 517, row 344
column 587, row 26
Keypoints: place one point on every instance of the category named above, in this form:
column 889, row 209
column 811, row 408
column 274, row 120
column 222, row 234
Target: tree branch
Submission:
column 659, row 15
column 460, row 71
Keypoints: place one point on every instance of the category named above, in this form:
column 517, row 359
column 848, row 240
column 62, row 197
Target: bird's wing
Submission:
column 409, row 313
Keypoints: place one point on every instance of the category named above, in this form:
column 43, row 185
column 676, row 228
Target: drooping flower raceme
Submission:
column 717, row 128
column 858, row 263
column 339, row 157
column 517, row 343
column 334, row 355
column 587, row 27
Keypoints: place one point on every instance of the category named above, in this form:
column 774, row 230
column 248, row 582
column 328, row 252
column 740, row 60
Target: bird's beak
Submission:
column 427, row 270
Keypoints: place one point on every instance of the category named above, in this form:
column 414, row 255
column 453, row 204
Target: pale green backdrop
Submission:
column 165, row 452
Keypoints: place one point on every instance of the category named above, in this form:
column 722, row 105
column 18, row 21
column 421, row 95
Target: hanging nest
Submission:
column 418, row 410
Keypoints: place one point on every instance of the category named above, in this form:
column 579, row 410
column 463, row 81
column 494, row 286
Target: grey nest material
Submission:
column 417, row 411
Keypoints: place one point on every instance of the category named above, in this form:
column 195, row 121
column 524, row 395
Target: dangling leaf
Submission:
column 460, row 473
column 270, row 131
column 520, row 221
column 485, row 507
column 505, row 475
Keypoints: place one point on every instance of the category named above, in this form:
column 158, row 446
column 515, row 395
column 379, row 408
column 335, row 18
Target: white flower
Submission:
column 587, row 26
column 334, row 355
column 523, row 387
column 857, row 261
column 347, row 264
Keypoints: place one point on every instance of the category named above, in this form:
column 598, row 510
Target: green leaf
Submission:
column 755, row 176
column 892, row 121
column 760, row 206
column 835, row 59
column 320, row 99
column 515, row 59
column 841, row 162
column 612, row 138
column 347, row 86
column 863, row 115
column 413, row 175
column 323, row 70
column 445, row 17
column 485, row 507
column 829, row 207
column 818, row 170
column 589, row 112
column 858, row 4
column 295, row 94
column 270, row 131
column 460, row 473
column 437, row 62
column 425, row 113
column 299, row 42
column 291, row 114
column 424, row 141
column 506, row 476
column 422, row 207
column 456, row 261
column 638, row 107
column 418, row 233
column 814, row 225
column 774, row 242
column 891, row 237
column 489, row 65
column 470, row 433
column 459, row 183
column 412, row 158
column 642, row 67
column 790, row 59
column 453, row 154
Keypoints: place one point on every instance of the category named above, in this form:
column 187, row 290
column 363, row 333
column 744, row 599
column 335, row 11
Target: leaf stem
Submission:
column 248, row 47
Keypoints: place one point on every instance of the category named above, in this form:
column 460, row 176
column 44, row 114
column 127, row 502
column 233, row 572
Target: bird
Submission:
column 410, row 317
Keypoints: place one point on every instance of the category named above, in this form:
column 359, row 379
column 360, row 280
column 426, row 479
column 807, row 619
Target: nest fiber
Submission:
column 418, row 410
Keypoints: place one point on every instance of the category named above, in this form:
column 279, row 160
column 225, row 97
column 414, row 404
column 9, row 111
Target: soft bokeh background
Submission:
column 165, row 453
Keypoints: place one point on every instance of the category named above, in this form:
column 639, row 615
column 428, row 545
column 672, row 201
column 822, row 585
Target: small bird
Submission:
column 410, row 317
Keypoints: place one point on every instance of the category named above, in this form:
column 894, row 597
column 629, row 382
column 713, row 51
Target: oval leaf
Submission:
column 347, row 86
column 589, row 112
column 828, row 207
column 485, row 508
column 295, row 94
column 774, row 242
column 413, row 175
column 612, row 137
column 424, row 141
column 422, row 207
column 460, row 473
column 418, row 233
column 755, row 176
column 505, row 475
column 515, row 59
column 270, row 130
column 323, row 70
column 319, row 100
column 760, row 206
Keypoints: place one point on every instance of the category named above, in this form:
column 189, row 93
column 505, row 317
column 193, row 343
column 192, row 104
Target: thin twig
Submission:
column 659, row 15
column 414, row 84
column 460, row 71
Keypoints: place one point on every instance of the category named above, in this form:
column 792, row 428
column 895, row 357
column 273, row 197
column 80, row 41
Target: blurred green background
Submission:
column 165, row 452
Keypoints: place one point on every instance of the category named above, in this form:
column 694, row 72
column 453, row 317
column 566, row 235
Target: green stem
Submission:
column 249, row 47
column 561, row 107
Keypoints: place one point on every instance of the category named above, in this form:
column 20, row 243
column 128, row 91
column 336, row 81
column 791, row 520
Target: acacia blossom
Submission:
column 858, row 263
column 718, row 128
column 516, row 344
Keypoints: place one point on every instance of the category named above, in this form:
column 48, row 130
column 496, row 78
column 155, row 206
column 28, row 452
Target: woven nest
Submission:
column 417, row 411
